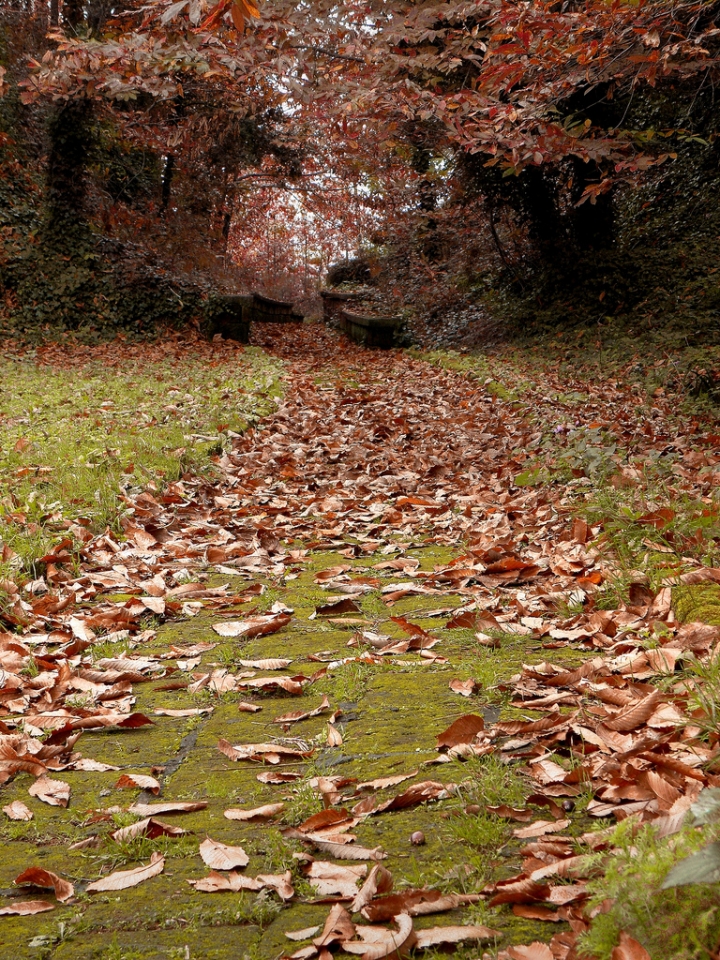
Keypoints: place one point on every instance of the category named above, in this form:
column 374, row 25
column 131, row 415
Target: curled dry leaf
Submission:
column 152, row 809
column 381, row 943
column 466, row 688
column 541, row 828
column 219, row 856
column 26, row 908
column 253, row 627
column 534, row 951
column 338, row 927
column 298, row 715
column 349, row 851
column 54, row 792
column 379, row 881
column 334, row 737
column 463, row 730
column 416, row 903
column 333, row 879
column 37, row 877
column 17, row 811
column 130, row 780
column 276, row 664
column 629, row 949
column 258, row 751
column 150, row 828
column 438, row 936
column 122, row 879
column 236, row 882
column 267, row 812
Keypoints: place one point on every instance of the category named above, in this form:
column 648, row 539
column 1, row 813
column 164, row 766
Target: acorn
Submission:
column 417, row 838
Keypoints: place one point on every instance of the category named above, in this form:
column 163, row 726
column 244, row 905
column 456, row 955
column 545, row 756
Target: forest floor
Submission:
column 375, row 652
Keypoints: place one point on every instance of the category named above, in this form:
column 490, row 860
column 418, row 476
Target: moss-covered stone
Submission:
column 699, row 602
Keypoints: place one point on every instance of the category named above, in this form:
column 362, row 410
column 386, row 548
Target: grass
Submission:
column 632, row 877
column 77, row 438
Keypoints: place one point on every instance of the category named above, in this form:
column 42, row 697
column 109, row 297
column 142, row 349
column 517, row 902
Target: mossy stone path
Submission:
column 379, row 485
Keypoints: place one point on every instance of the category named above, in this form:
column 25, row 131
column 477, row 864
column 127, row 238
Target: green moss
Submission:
column 698, row 602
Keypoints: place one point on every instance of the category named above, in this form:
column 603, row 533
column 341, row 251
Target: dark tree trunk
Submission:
column 54, row 13
column 69, row 132
column 166, row 183
column 593, row 223
column 72, row 11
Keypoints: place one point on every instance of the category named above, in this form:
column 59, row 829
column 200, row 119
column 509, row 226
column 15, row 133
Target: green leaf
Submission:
column 702, row 867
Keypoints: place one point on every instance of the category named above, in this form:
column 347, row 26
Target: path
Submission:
column 368, row 571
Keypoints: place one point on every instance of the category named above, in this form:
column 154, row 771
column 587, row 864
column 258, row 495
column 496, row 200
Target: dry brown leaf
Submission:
column 18, row 811
column 122, row 879
column 54, row 792
column 349, row 851
column 463, row 730
column 267, row 812
column 26, row 908
column 333, row 879
column 379, row 881
column 150, row 828
column 338, row 927
column 236, row 882
column 438, row 936
column 416, row 903
column 277, row 664
column 154, row 809
column 629, row 949
column 128, row 781
column 219, row 856
column 466, row 688
column 253, row 627
column 382, row 942
column 533, row 951
column 38, row 877
column 541, row 827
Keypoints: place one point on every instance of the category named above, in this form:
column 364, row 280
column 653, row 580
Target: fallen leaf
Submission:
column 629, row 949
column 26, row 908
column 465, row 688
column 38, row 877
column 438, row 936
column 463, row 730
column 131, row 780
column 17, row 811
column 254, row 627
column 333, row 879
column 219, row 856
column 54, row 792
column 384, row 942
column 267, row 812
column 123, row 879
column 153, row 809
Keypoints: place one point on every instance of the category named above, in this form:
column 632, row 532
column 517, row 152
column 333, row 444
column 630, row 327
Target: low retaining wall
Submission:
column 334, row 302
column 233, row 315
column 383, row 332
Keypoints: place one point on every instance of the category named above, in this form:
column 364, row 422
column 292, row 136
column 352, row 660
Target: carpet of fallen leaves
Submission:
column 370, row 458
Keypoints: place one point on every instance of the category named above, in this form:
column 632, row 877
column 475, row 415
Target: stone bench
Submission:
column 266, row 310
column 335, row 301
column 231, row 316
column 384, row 332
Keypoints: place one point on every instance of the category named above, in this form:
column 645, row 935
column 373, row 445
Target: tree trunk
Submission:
column 166, row 183
column 69, row 132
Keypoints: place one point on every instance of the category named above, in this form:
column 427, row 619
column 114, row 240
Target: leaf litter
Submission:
column 525, row 567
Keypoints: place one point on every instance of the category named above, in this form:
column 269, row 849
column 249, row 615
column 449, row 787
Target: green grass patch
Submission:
column 75, row 440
